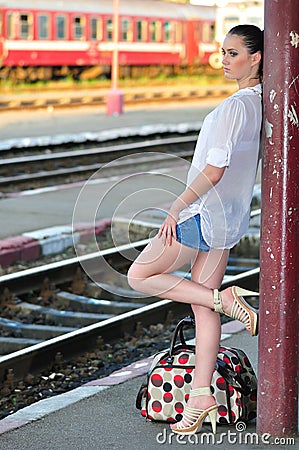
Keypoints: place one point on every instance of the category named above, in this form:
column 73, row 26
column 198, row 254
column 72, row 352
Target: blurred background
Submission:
column 156, row 41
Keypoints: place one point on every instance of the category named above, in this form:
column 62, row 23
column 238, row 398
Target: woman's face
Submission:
column 238, row 64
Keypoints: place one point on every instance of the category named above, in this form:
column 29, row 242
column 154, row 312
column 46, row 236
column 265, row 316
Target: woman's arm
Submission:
column 204, row 181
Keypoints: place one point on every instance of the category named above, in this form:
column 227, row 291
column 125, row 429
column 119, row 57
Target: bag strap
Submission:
column 178, row 332
column 140, row 395
column 232, row 378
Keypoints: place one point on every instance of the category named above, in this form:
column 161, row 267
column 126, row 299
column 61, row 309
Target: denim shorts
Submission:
column 189, row 234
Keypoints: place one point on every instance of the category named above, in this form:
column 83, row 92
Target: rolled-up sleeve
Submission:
column 230, row 123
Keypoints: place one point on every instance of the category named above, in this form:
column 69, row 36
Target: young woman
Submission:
column 209, row 218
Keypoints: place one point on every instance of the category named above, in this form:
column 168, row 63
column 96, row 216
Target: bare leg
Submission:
column 150, row 273
column 208, row 269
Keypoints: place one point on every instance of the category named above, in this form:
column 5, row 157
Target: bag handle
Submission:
column 223, row 368
column 178, row 332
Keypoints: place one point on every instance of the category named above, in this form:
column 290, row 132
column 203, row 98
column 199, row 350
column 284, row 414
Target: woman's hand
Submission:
column 202, row 183
column 167, row 230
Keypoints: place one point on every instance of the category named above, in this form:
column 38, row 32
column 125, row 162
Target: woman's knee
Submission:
column 135, row 277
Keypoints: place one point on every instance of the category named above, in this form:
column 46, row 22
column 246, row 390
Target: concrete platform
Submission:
column 63, row 122
column 102, row 415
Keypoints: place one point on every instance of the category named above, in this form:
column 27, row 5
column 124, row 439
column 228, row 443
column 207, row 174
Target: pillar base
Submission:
column 115, row 101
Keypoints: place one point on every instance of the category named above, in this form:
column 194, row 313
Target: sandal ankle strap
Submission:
column 200, row 391
column 217, row 301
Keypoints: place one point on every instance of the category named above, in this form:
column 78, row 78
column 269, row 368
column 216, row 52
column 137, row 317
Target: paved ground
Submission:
column 103, row 416
column 45, row 122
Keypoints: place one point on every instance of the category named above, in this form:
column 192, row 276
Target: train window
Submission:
column 254, row 20
column 183, row 26
column 208, row 31
column 126, row 30
column 109, row 29
column 10, row 26
column 78, row 27
column 141, row 30
column 155, row 31
column 60, row 27
column 178, row 31
column 166, row 31
column 43, row 26
column 229, row 22
column 95, row 29
column 25, row 26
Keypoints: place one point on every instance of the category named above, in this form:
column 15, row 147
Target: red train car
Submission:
column 40, row 38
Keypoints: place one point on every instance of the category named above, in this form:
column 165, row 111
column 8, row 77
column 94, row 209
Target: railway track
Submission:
column 95, row 97
column 38, row 168
column 57, row 298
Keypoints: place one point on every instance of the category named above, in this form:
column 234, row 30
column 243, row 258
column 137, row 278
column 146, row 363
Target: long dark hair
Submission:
column 253, row 38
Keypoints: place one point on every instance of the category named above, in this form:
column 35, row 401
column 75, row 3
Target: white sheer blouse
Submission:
column 230, row 138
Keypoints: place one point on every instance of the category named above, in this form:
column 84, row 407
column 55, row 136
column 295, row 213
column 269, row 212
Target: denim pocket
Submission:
column 189, row 234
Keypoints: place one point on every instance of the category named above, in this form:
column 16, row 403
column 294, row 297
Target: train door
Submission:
column 191, row 45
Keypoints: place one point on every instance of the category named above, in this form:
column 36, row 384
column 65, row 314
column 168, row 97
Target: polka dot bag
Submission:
column 164, row 394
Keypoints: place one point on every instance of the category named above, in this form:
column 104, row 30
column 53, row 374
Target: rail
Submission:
column 36, row 169
column 36, row 357
column 142, row 95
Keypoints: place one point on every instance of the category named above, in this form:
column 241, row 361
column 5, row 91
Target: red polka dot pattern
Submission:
column 178, row 381
column 169, row 385
column 157, row 379
column 183, row 359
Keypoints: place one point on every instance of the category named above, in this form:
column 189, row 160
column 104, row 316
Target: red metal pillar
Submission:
column 115, row 96
column 279, row 280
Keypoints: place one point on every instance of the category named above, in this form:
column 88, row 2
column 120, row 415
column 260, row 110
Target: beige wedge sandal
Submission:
column 241, row 310
column 193, row 418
